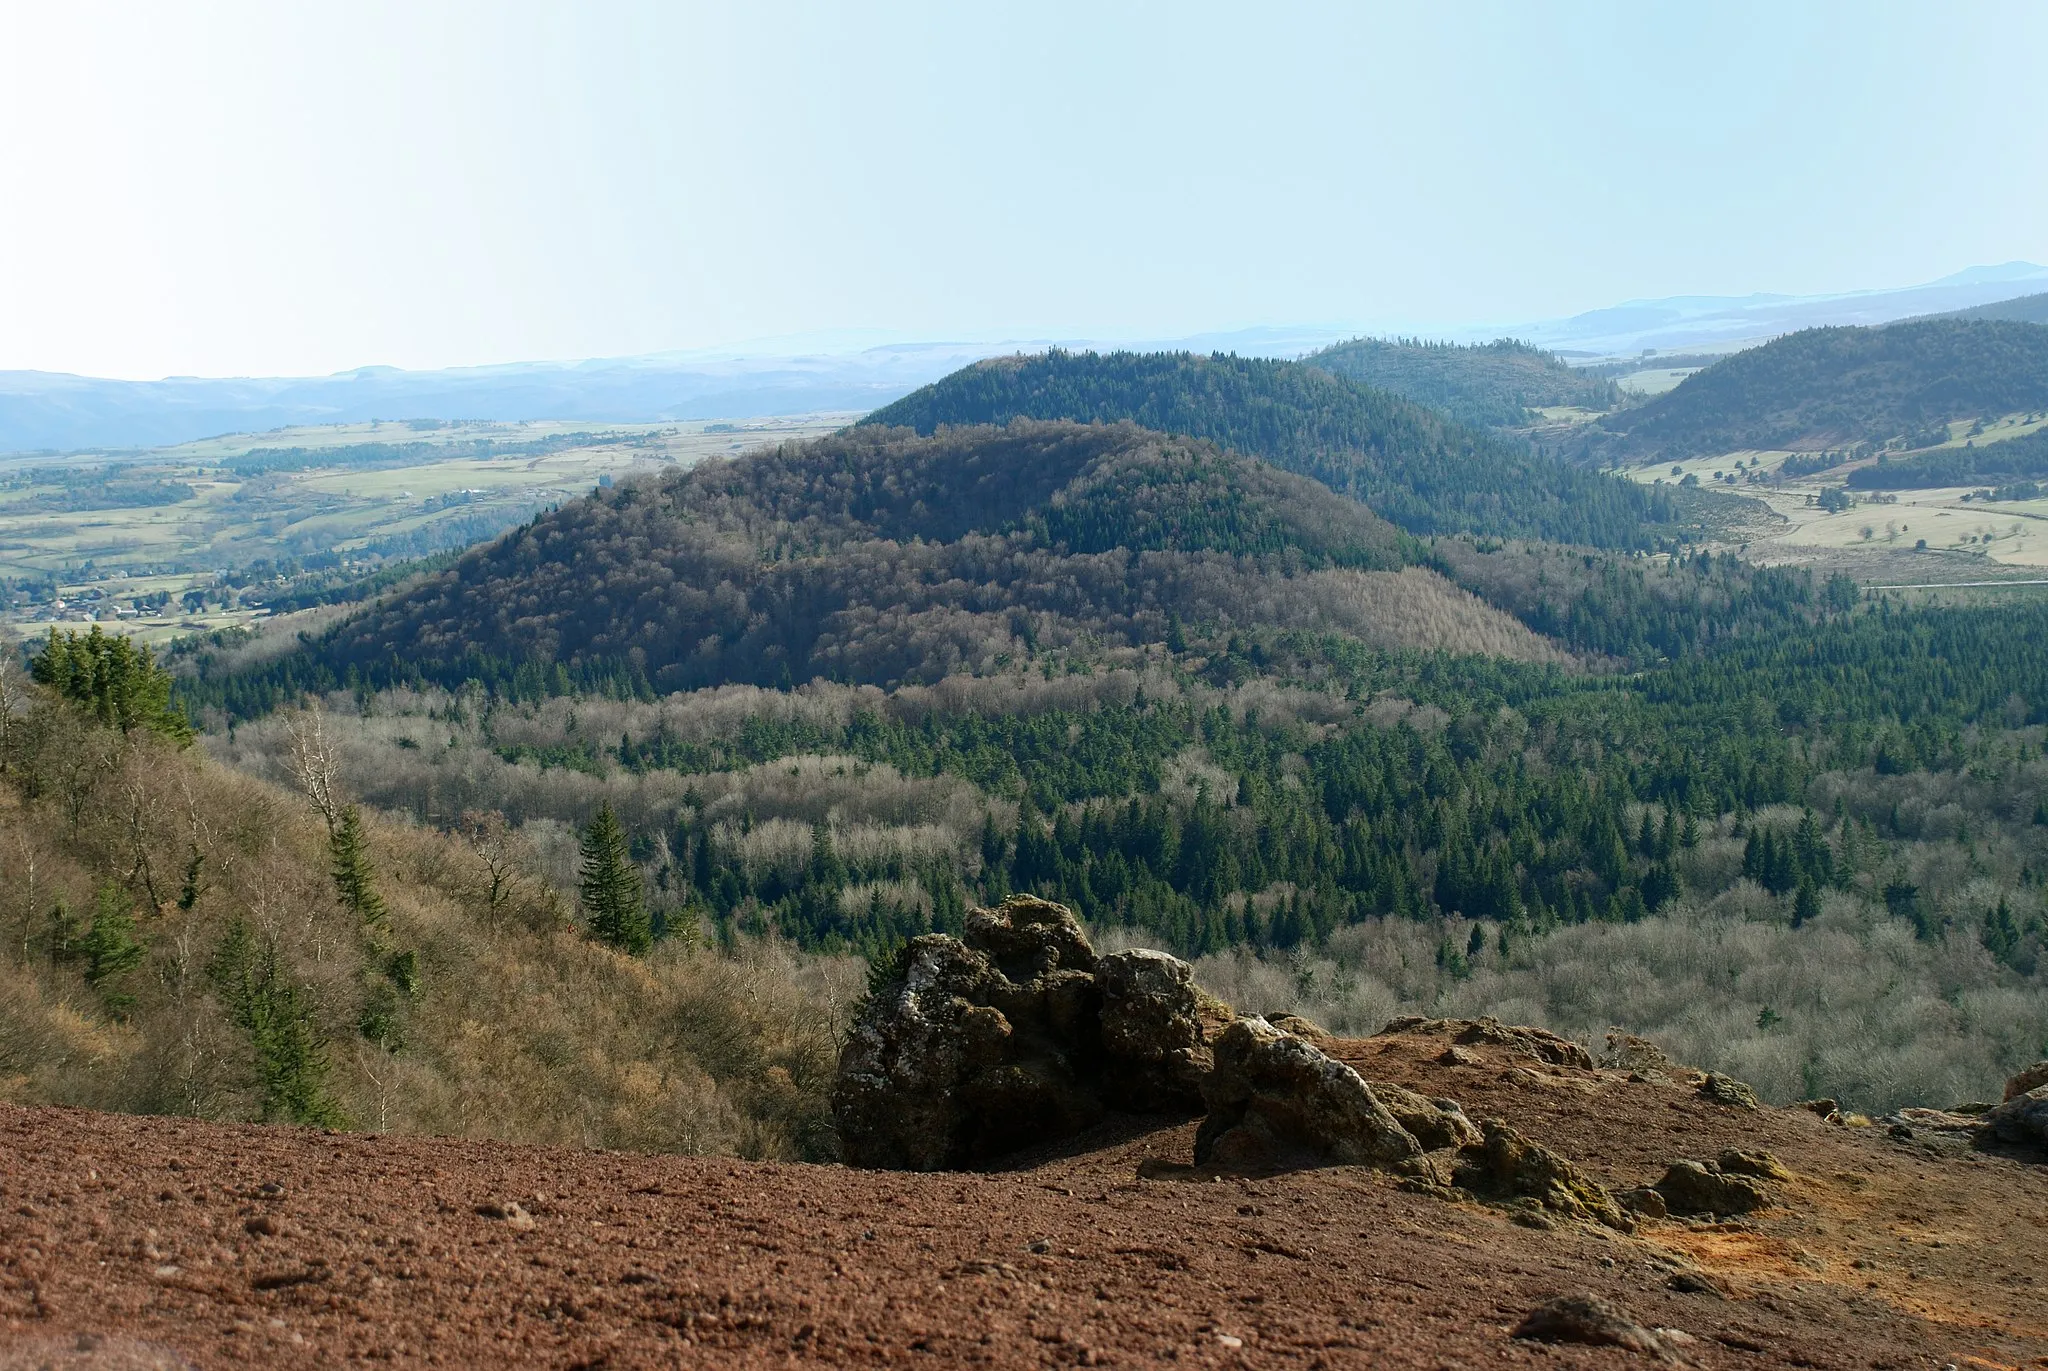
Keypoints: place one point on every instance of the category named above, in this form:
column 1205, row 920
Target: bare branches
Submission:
column 315, row 763
column 490, row 838
column 14, row 700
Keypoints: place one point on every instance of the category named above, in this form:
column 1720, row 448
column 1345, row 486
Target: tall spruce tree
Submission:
column 108, row 946
column 354, row 880
column 612, row 898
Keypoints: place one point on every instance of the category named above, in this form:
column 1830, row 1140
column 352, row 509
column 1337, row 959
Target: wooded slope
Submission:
column 1837, row 387
column 1486, row 385
column 1413, row 466
column 879, row 556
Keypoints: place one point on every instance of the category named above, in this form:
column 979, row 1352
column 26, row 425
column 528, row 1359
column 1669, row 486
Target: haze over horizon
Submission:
column 459, row 184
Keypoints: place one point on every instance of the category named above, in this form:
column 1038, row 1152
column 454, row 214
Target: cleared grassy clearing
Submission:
column 1949, row 519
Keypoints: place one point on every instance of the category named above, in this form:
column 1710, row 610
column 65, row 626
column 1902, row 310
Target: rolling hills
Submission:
column 1991, row 464
column 1417, row 469
column 2027, row 309
column 879, row 556
column 1836, row 388
column 1484, row 385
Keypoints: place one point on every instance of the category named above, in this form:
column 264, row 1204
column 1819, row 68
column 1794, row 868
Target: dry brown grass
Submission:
column 520, row 1028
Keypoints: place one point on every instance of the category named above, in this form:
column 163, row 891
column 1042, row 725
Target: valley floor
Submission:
column 132, row 1242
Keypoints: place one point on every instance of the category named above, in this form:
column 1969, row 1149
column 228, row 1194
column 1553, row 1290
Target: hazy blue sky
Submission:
column 283, row 188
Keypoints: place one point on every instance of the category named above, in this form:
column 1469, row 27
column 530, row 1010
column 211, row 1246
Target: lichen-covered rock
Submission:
column 899, row 1096
column 1276, row 1101
column 1435, row 1123
column 2032, row 1078
column 1298, row 1026
column 1690, row 1187
column 1537, row 1042
column 1011, row 1036
column 1151, row 1030
column 1643, row 1200
column 1752, row 1162
column 2023, row 1119
column 1728, row 1091
column 1026, row 937
column 1505, row 1166
column 1626, row 1052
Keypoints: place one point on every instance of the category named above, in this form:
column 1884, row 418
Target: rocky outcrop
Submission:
column 1691, row 1187
column 1755, row 1163
column 1726, row 1090
column 1434, row 1123
column 1298, row 1026
column 1278, row 1102
column 1532, row 1042
column 1627, row 1052
column 2032, row 1078
column 1013, row 1034
column 1591, row 1321
column 1506, row 1167
column 2022, row 1119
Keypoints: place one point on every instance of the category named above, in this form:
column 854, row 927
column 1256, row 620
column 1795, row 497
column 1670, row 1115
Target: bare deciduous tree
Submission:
column 315, row 763
column 490, row 837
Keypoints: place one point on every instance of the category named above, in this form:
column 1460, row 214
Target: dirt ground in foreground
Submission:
column 149, row 1242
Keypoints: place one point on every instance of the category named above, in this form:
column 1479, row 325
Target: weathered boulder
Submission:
column 900, row 1098
column 1627, row 1052
column 1752, row 1162
column 1276, row 1102
column 1690, row 1187
column 2023, row 1119
column 2031, row 1078
column 1027, row 937
column 1151, row 1025
column 1539, row 1043
column 1013, row 1035
column 1593, row 1322
column 1643, row 1200
column 1298, row 1026
column 1435, row 1123
column 1505, row 1166
column 1728, row 1091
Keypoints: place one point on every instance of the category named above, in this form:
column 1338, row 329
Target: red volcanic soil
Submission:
column 142, row 1242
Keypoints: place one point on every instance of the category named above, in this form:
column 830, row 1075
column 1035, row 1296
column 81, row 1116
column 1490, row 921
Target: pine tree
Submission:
column 1806, row 904
column 612, row 899
column 279, row 1017
column 108, row 947
column 2002, row 933
column 354, row 880
column 112, row 678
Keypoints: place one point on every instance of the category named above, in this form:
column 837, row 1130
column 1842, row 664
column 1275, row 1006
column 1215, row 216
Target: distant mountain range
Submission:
column 1715, row 322
column 56, row 412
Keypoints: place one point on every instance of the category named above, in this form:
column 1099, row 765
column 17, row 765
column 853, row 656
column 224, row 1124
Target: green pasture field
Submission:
column 231, row 523
column 2001, row 537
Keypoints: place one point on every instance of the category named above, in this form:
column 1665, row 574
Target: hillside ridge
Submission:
column 1485, row 385
column 1411, row 465
column 1837, row 388
column 876, row 555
